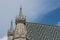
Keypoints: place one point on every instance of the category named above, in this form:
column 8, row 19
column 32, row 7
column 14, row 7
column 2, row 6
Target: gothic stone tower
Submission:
column 10, row 32
column 20, row 32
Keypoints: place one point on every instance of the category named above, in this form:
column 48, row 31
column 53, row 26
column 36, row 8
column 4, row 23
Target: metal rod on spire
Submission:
column 11, row 23
column 20, row 11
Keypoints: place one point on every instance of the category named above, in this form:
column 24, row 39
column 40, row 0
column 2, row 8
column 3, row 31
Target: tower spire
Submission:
column 20, row 13
column 11, row 28
column 20, row 18
column 10, row 32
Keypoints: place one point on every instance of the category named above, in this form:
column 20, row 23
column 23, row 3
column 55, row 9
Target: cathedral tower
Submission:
column 10, row 32
column 20, row 30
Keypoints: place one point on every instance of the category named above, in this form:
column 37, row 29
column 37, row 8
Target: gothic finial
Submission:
column 20, row 13
column 20, row 18
column 11, row 28
column 11, row 23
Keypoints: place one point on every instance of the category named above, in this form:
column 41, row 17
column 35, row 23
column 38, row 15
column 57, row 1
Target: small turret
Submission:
column 20, row 18
column 11, row 30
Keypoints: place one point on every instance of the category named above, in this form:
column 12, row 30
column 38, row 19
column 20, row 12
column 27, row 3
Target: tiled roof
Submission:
column 42, row 31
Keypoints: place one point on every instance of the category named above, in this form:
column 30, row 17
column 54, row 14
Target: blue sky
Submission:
column 39, row 11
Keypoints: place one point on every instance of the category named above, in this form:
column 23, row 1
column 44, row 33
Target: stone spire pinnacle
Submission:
column 11, row 28
column 20, row 18
column 20, row 14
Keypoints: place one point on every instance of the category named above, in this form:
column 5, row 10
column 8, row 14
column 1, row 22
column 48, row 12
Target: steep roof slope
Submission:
column 42, row 31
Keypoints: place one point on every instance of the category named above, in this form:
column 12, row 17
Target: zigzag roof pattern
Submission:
column 42, row 31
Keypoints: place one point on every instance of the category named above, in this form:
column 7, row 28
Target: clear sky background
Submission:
column 38, row 11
